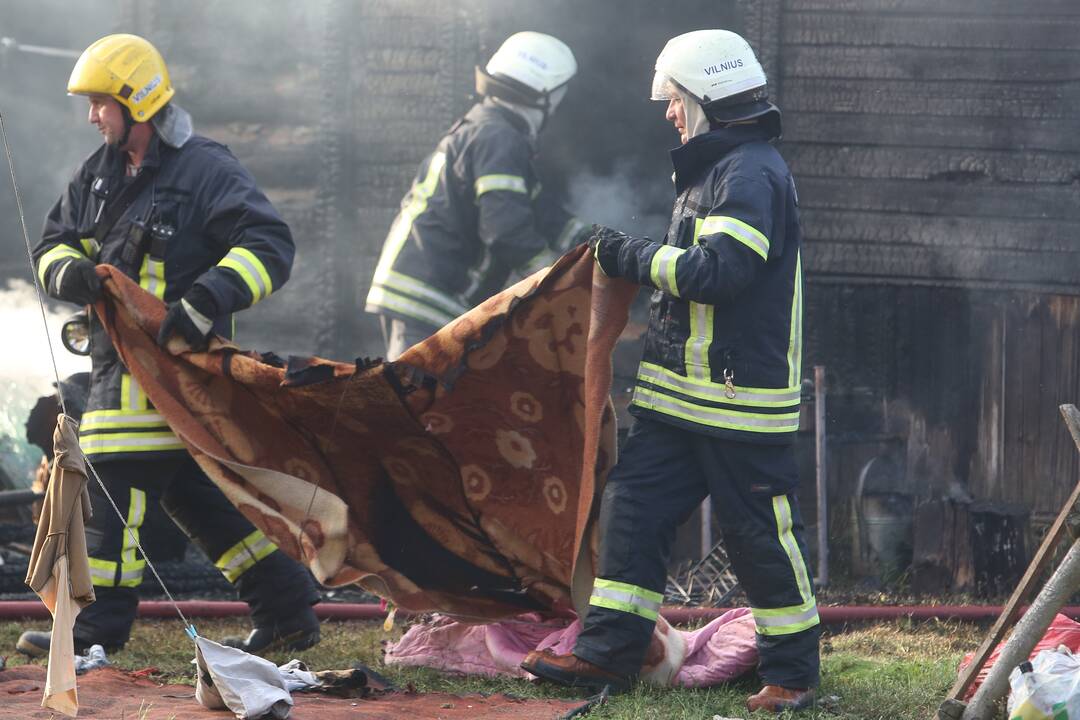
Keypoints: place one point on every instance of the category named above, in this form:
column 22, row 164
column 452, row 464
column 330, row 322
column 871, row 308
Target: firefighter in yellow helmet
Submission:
column 182, row 217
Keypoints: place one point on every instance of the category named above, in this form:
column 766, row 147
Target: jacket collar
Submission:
column 112, row 163
column 701, row 153
column 488, row 110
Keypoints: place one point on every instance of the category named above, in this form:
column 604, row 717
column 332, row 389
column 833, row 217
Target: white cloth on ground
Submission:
column 249, row 686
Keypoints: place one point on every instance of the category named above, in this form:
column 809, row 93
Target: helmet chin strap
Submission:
column 129, row 122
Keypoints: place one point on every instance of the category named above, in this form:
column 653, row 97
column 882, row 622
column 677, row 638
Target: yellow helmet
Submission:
column 128, row 68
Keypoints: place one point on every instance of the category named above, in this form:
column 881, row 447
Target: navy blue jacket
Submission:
column 473, row 217
column 723, row 353
column 203, row 221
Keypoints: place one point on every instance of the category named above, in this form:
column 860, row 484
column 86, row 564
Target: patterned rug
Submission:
column 462, row 478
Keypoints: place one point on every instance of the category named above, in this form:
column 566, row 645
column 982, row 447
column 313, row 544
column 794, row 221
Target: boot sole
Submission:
column 299, row 640
column 566, row 679
column 809, row 703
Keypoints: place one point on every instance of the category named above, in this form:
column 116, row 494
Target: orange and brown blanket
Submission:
column 462, row 478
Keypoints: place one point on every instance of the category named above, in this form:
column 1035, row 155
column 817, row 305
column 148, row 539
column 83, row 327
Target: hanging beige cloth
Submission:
column 59, row 568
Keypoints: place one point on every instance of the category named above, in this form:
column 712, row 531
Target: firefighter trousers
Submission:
column 663, row 473
column 273, row 585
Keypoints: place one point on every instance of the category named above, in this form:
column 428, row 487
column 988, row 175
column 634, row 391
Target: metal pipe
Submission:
column 1061, row 585
column 706, row 527
column 822, row 477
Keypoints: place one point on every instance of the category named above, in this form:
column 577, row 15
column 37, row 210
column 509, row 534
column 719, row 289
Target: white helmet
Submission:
column 710, row 65
column 527, row 69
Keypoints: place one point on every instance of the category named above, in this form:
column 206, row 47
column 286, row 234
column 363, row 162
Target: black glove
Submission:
column 78, row 282
column 605, row 244
column 192, row 318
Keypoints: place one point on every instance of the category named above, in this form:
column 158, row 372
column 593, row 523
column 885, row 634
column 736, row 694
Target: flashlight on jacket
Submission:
column 75, row 333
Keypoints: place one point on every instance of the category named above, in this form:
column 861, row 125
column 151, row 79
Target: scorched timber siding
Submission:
column 934, row 149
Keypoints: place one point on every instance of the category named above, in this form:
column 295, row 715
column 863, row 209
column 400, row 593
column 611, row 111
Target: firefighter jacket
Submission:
column 474, row 216
column 723, row 352
column 198, row 217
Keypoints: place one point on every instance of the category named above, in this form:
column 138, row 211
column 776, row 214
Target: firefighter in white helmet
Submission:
column 475, row 216
column 716, row 402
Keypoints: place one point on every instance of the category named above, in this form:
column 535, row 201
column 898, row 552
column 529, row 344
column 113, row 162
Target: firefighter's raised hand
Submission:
column 605, row 244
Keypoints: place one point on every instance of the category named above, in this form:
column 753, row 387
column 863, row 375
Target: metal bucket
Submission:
column 886, row 523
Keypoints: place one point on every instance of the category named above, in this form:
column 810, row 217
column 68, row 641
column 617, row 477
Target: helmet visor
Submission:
column 663, row 87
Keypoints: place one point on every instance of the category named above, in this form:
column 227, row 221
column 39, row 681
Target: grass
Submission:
column 888, row 671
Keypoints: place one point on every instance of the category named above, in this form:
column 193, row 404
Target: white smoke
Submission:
column 26, row 370
column 623, row 200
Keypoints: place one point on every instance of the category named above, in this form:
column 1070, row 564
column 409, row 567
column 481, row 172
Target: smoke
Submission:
column 26, row 371
column 622, row 199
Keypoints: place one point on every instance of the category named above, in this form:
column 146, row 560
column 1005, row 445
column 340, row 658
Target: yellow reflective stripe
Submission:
column 135, row 516
column 787, row 620
column 717, row 392
column 251, row 270
column 399, row 232
column 512, row 183
column 380, row 297
column 422, row 291
column 748, row 235
column 131, row 574
column 715, row 417
column 90, row 247
column 662, row 268
column 626, row 598
column 131, row 395
column 794, row 354
column 784, row 522
column 120, row 419
column 102, row 572
column 699, row 341
column 152, row 277
column 129, row 442
column 57, row 253
column 235, row 561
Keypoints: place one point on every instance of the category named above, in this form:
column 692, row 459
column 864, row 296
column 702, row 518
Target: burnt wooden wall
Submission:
column 937, row 162
column 331, row 105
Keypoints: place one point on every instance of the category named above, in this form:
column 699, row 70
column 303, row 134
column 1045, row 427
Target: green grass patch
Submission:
column 889, row 671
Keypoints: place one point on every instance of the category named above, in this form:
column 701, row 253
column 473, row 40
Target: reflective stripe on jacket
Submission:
column 474, row 216
column 723, row 354
column 203, row 220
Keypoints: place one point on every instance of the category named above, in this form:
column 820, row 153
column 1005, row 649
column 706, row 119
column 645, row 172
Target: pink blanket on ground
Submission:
column 716, row 653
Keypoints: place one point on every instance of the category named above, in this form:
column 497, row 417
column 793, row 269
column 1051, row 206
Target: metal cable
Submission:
column 60, row 393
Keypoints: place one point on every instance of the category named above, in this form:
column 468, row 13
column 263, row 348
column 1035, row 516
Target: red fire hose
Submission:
column 830, row 615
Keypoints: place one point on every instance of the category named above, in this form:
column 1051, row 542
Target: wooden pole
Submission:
column 822, row 477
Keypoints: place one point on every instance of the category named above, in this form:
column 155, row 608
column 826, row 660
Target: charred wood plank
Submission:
column 923, row 131
column 930, row 64
column 892, row 31
column 942, row 556
column 1006, row 8
column 944, row 233
column 907, row 264
column 941, row 197
column 957, row 164
column 957, row 98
